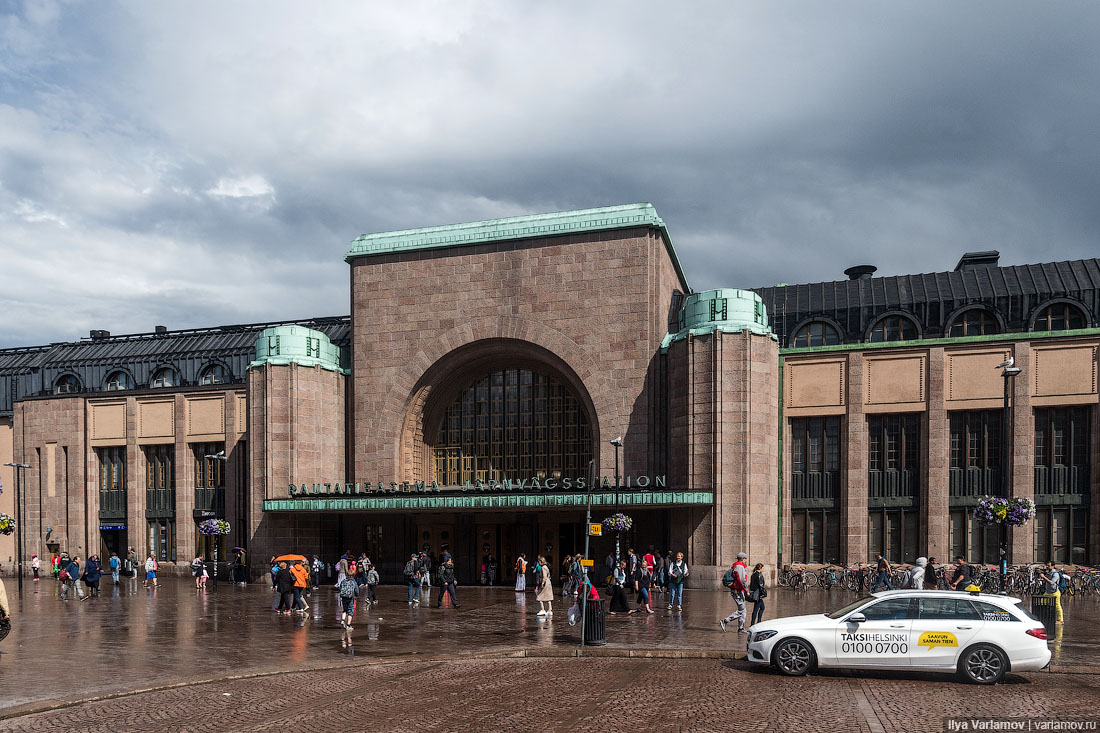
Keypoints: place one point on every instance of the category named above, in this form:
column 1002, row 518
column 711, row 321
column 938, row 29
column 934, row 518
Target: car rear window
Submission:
column 991, row 612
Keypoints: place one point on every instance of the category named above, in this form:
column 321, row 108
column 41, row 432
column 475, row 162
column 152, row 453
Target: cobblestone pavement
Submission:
column 133, row 639
column 575, row 694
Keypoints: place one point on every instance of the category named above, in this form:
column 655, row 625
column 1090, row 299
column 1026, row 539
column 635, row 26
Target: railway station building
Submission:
column 494, row 377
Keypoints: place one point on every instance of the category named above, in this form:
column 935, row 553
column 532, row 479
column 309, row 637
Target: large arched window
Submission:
column 893, row 328
column 817, row 333
column 513, row 424
column 213, row 374
column 1059, row 317
column 975, row 322
column 66, row 384
column 117, row 381
column 163, row 378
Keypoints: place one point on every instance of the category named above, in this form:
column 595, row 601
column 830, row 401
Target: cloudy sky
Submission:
column 197, row 164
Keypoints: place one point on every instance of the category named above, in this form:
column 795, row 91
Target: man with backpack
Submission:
column 425, row 563
column 115, row 567
column 737, row 579
column 1052, row 586
column 447, row 583
column 883, row 577
column 349, row 591
column 963, row 576
column 412, row 579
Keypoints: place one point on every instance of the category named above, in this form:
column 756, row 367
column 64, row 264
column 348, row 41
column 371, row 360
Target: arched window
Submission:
column 975, row 322
column 118, row 381
column 513, row 424
column 817, row 333
column 1059, row 317
column 893, row 328
column 66, row 384
column 163, row 378
column 213, row 374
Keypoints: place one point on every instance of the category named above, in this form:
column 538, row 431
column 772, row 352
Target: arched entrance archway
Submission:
column 456, row 380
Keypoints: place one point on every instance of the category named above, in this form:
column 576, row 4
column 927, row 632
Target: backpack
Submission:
column 410, row 569
column 727, row 579
column 1063, row 582
column 349, row 588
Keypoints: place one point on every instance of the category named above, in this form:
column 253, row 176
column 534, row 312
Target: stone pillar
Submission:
column 935, row 479
column 1093, row 547
column 1021, row 444
column 137, row 528
column 853, row 493
column 184, row 464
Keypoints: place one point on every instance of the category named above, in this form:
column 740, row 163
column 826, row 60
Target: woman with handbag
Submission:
column 757, row 593
column 544, row 590
column 619, row 603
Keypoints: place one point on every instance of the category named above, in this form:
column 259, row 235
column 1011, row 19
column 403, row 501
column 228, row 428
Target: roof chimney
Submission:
column 975, row 260
column 860, row 272
column 161, row 329
column 97, row 334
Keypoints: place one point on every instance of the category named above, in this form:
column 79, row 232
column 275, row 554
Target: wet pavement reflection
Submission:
column 133, row 638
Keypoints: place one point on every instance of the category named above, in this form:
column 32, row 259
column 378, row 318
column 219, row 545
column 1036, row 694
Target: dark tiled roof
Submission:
column 1016, row 292
column 32, row 371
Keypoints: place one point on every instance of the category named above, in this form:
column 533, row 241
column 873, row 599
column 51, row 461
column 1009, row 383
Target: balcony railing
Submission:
column 112, row 504
column 1062, row 484
column 818, row 489
column 967, row 485
column 211, row 500
column 892, row 488
column 160, row 503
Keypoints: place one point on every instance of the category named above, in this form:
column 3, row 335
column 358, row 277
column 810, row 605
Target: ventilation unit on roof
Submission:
column 860, row 272
column 97, row 334
column 975, row 260
column 161, row 329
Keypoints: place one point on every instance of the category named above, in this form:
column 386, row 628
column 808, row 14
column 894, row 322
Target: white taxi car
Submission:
column 975, row 635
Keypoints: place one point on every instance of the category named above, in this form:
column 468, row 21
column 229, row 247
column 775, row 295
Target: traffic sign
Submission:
column 588, row 563
column 595, row 530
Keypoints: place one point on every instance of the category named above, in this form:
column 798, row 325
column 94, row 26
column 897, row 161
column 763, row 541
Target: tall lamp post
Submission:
column 583, row 590
column 219, row 456
column 19, row 467
column 1009, row 371
column 618, row 443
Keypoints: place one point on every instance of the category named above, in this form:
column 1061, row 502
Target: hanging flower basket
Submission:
column 213, row 527
column 1013, row 511
column 7, row 524
column 618, row 523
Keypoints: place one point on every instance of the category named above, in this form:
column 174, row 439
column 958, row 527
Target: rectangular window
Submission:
column 815, row 461
column 893, row 532
column 1061, row 451
column 160, row 481
column 893, row 459
column 112, row 482
column 975, row 453
column 210, row 477
column 162, row 539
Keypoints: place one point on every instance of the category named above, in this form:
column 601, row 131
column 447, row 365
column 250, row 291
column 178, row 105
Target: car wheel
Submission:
column 793, row 657
column 983, row 665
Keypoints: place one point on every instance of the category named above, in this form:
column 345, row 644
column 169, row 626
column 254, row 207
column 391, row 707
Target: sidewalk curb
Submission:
column 528, row 653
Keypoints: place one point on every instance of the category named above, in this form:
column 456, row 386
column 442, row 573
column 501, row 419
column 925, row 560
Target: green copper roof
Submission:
column 726, row 310
column 515, row 227
column 297, row 344
column 407, row 501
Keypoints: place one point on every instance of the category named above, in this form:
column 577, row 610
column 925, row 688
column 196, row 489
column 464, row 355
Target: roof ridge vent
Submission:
column 860, row 272
column 976, row 260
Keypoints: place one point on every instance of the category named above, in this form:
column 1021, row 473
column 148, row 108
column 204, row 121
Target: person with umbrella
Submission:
column 284, row 586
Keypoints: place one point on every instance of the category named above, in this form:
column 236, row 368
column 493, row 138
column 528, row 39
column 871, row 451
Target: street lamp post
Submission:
column 618, row 443
column 1009, row 371
column 583, row 590
column 219, row 456
column 19, row 467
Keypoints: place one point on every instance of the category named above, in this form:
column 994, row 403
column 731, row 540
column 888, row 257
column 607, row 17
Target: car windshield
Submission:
column 850, row 607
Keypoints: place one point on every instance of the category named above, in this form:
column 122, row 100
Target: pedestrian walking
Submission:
column 349, row 591
column 93, row 571
column 425, row 564
column 1052, row 586
column 116, row 566
column 284, row 586
column 883, row 569
column 916, row 574
column 643, row 581
column 412, row 579
column 660, row 574
column 131, row 558
column 963, row 576
column 521, row 573
column 197, row 570
column 619, row 603
column 301, row 582
column 737, row 577
column 757, row 593
column 372, row 583
column 238, row 568
column 447, row 583
column 577, row 574
column 342, row 569
column 931, row 580
column 55, row 565
column 632, row 563
column 544, row 591
column 69, row 576
column 566, row 575
column 150, row 571
column 35, row 565
column 677, row 575
column 315, row 574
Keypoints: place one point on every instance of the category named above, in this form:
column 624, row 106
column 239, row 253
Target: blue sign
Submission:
column 111, row 527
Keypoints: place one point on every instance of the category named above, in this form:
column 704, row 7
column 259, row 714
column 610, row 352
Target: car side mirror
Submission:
column 856, row 618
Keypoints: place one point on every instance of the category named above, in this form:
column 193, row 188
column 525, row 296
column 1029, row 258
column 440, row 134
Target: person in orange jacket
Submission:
column 301, row 582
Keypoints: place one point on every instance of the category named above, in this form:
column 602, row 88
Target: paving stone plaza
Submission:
column 182, row 659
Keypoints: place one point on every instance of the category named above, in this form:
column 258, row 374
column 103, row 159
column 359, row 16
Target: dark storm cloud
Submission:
column 206, row 164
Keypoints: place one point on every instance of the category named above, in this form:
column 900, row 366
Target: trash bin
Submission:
column 595, row 628
column 1043, row 608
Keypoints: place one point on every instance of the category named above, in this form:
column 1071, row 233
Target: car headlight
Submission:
column 762, row 635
